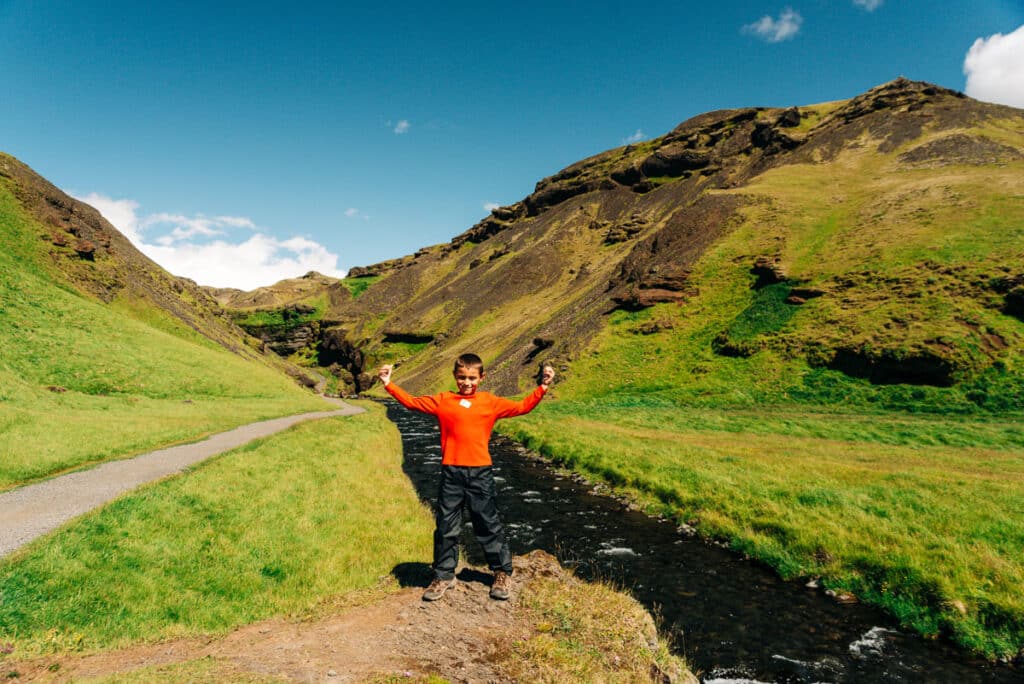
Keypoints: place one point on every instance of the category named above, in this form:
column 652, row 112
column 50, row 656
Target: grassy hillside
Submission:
column 83, row 381
column 898, row 261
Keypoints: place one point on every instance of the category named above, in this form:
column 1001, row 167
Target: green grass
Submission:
column 282, row 317
column 282, row 526
column 358, row 286
column 916, row 514
column 200, row 671
column 767, row 313
column 49, row 434
column 388, row 352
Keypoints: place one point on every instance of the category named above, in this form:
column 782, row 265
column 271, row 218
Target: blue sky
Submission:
column 241, row 143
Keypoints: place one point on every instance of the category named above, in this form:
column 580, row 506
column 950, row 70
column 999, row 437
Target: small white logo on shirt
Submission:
column 465, row 403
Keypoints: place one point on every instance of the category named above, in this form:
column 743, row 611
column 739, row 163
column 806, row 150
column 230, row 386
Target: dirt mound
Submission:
column 459, row 638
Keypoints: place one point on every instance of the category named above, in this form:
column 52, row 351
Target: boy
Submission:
column 466, row 418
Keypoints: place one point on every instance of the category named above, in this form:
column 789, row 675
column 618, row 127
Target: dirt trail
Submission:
column 456, row 637
column 33, row 510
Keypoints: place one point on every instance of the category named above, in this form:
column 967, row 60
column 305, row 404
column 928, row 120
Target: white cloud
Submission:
column 491, row 206
column 994, row 67
column 237, row 221
column 352, row 212
column 869, row 5
column 239, row 256
column 401, row 127
column 187, row 227
column 776, row 30
column 636, row 137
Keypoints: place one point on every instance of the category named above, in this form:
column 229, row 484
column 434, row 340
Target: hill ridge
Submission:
column 624, row 230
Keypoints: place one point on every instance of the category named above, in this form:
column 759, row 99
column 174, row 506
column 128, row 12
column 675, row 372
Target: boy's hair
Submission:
column 469, row 361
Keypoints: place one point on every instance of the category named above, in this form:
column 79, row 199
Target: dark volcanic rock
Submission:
column 379, row 269
column 400, row 337
column 921, row 366
column 643, row 298
column 768, row 271
column 364, row 271
column 285, row 340
column 627, row 176
column 485, row 229
column 510, row 212
column 771, row 139
column 1015, row 303
column 806, row 292
column 550, row 193
column 85, row 249
column 789, row 118
column 673, row 160
column 624, row 231
column 960, row 149
column 336, row 349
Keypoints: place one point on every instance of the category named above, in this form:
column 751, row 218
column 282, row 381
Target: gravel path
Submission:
column 34, row 510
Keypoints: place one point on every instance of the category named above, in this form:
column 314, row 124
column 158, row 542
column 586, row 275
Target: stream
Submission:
column 733, row 620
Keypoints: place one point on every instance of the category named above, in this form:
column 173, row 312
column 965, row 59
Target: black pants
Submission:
column 474, row 488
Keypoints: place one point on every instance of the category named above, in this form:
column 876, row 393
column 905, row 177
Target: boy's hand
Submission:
column 384, row 373
column 547, row 375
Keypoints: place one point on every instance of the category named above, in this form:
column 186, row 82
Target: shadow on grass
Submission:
column 413, row 574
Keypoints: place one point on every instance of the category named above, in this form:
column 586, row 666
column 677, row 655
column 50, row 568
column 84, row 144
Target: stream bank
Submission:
column 732, row 619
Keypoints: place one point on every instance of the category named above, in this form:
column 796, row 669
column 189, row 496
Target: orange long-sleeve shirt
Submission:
column 466, row 422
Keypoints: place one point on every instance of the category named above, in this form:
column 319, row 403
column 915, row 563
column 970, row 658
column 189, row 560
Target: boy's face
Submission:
column 466, row 380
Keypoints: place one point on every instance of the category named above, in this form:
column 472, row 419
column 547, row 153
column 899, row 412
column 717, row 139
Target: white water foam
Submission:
column 731, row 676
column 826, row 667
column 617, row 551
column 872, row 644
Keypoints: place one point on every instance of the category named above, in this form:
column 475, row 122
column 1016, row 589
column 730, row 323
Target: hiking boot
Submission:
column 502, row 586
column 437, row 588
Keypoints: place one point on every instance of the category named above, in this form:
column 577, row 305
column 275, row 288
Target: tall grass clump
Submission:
column 587, row 632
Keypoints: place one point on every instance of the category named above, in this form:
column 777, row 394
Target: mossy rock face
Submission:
column 288, row 338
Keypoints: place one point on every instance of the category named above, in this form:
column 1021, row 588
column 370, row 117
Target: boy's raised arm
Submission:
column 425, row 404
column 509, row 408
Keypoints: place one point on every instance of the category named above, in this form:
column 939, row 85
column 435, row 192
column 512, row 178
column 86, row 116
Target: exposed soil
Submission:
column 456, row 637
